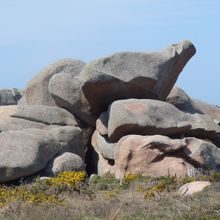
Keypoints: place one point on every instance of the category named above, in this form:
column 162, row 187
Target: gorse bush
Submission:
column 46, row 191
column 22, row 194
column 71, row 180
column 153, row 186
column 53, row 190
column 72, row 195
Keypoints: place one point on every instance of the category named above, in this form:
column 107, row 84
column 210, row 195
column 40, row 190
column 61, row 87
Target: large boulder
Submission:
column 66, row 90
column 25, row 152
column 149, row 117
column 28, row 151
column 203, row 153
column 134, row 75
column 184, row 103
column 10, row 96
column 49, row 115
column 155, row 155
column 37, row 93
column 149, row 156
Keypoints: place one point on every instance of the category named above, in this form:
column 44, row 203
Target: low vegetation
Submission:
column 71, row 195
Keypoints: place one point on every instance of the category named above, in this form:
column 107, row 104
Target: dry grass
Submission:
column 105, row 198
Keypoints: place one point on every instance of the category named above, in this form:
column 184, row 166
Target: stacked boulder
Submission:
column 124, row 105
column 38, row 136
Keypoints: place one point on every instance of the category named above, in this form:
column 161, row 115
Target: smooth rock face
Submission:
column 65, row 162
column 10, row 96
column 193, row 187
column 66, row 90
column 102, row 123
column 25, row 152
column 134, row 75
column 184, row 103
column 37, row 93
column 204, row 153
column 104, row 166
column 49, row 115
column 149, row 156
column 70, row 139
column 102, row 146
column 10, row 123
column 149, row 117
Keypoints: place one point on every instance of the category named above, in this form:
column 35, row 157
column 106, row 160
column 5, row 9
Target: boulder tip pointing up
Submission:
column 134, row 75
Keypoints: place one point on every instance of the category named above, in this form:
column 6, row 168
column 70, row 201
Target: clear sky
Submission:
column 34, row 33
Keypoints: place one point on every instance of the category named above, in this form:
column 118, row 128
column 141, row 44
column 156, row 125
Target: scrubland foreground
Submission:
column 71, row 195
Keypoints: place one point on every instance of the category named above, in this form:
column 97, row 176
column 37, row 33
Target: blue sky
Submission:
column 36, row 33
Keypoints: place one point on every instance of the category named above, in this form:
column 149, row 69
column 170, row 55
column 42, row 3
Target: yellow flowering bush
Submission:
column 159, row 187
column 130, row 177
column 42, row 192
column 67, row 179
column 12, row 194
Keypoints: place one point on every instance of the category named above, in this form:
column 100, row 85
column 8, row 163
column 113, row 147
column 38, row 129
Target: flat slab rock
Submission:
column 7, row 111
column 193, row 187
column 10, row 123
column 149, row 117
column 49, row 115
column 134, row 75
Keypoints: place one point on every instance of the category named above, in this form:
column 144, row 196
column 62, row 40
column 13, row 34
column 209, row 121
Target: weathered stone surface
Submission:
column 25, row 152
column 37, row 93
column 184, row 103
column 70, row 139
column 102, row 146
column 7, row 111
column 134, row 75
column 64, row 162
column 193, row 187
column 66, row 90
column 204, row 153
column 102, row 123
column 10, row 123
column 149, row 156
column 105, row 166
column 149, row 117
column 49, row 115
column 10, row 96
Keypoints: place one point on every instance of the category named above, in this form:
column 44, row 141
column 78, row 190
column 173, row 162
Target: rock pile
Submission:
column 124, row 105
column 10, row 96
